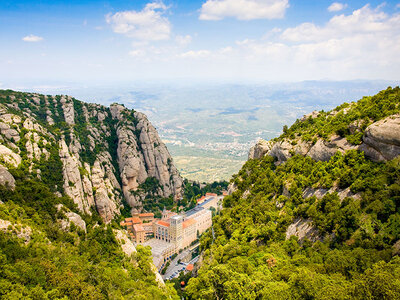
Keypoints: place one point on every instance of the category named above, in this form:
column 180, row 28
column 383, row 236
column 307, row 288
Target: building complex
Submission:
column 173, row 232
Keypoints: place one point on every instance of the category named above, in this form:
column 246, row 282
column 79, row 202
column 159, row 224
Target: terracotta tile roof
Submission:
column 189, row 267
column 138, row 227
column 163, row 223
column 211, row 194
column 146, row 215
column 134, row 220
column 201, row 199
column 188, row 222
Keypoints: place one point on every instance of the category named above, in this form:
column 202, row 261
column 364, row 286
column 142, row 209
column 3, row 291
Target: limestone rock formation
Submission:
column 382, row 139
column 103, row 154
column 126, row 244
column 23, row 233
column 6, row 178
column 302, row 229
column 260, row 149
column 71, row 217
column 142, row 154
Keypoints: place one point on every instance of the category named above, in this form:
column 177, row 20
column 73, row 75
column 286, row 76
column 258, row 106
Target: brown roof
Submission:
column 138, row 227
column 202, row 198
column 211, row 194
column 163, row 223
column 188, row 222
column 146, row 215
column 134, row 220
column 189, row 267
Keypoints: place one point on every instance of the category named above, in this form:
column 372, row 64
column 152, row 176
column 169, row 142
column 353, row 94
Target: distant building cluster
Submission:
column 173, row 232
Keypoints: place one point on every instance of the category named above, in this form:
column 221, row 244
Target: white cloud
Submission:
column 195, row 54
column 183, row 40
column 32, row 38
column 364, row 21
column 148, row 24
column 137, row 52
column 363, row 44
column 243, row 9
column 336, row 6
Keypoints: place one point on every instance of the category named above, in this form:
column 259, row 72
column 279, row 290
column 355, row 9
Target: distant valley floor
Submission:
column 207, row 169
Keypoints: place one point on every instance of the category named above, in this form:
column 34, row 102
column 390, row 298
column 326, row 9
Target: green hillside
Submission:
column 50, row 263
column 352, row 230
column 342, row 119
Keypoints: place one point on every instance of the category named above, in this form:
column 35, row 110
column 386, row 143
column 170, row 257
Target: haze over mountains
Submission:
column 209, row 128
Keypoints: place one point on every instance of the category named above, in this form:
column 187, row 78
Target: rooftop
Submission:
column 189, row 267
column 163, row 223
column 134, row 220
column 209, row 199
column 188, row 222
column 194, row 210
column 146, row 215
column 138, row 227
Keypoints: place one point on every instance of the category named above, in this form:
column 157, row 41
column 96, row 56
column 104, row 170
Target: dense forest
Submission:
column 41, row 260
column 349, row 208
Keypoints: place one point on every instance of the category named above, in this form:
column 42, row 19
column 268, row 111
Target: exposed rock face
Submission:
column 23, row 233
column 320, row 193
column 382, row 139
column 105, row 199
column 142, row 154
column 6, row 178
column 72, row 178
column 259, row 150
column 106, row 153
column 129, row 248
column 302, row 229
column 9, row 156
column 71, row 217
column 126, row 244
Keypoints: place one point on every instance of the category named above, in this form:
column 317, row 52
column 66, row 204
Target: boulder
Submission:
column 261, row 148
column 382, row 139
column 6, row 178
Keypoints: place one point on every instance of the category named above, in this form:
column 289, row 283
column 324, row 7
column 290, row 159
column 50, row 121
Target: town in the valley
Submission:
column 174, row 238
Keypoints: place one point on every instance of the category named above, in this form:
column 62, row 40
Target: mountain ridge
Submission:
column 104, row 155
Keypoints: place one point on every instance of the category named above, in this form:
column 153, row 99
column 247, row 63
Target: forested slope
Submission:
column 67, row 171
column 299, row 227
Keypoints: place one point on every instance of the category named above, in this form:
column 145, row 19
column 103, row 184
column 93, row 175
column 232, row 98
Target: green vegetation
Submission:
column 347, row 120
column 55, row 264
column 355, row 247
column 251, row 259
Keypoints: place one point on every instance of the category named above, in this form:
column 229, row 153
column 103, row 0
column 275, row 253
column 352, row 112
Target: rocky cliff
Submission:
column 371, row 125
column 100, row 157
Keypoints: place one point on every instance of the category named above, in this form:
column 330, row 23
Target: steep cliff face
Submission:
column 142, row 155
column 98, row 156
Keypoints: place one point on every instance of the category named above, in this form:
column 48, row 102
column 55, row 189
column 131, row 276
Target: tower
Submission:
column 176, row 231
column 165, row 214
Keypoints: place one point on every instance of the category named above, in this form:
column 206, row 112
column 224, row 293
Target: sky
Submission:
column 49, row 41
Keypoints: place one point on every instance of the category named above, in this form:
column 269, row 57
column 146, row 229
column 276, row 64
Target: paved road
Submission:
column 174, row 266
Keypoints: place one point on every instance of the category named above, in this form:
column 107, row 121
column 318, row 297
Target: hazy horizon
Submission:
column 194, row 41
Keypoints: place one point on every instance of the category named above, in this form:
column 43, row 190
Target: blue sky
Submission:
column 234, row 40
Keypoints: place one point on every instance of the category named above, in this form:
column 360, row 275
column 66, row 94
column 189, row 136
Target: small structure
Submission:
column 189, row 267
column 139, row 233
